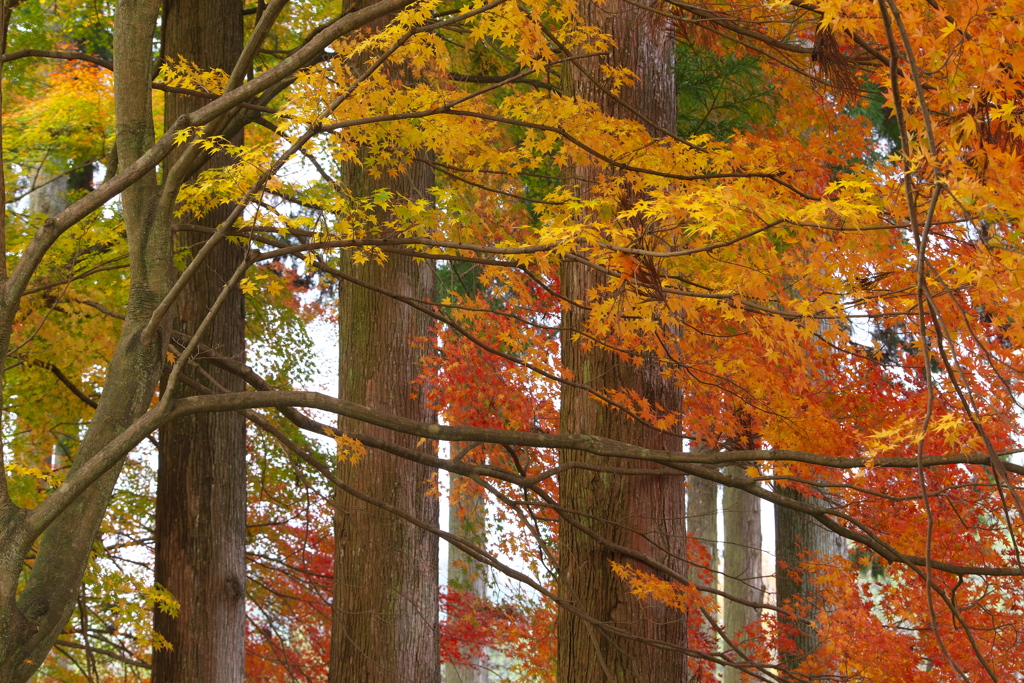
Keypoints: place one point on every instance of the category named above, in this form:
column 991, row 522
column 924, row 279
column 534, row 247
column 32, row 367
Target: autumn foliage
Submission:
column 825, row 255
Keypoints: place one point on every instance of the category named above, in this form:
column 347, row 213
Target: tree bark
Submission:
column 702, row 519
column 201, row 493
column 51, row 592
column 467, row 518
column 643, row 513
column 743, row 574
column 385, row 612
column 702, row 525
column 37, row 595
column 797, row 538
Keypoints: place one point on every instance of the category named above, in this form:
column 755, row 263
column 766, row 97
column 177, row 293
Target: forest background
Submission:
column 639, row 265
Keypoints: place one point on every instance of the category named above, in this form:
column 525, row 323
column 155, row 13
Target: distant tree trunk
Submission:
column 467, row 518
column 639, row 512
column 702, row 525
column 702, row 520
column 385, row 612
column 796, row 535
column 201, row 500
column 743, row 574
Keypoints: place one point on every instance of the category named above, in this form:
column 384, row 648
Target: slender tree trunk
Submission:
column 385, row 612
column 797, row 538
column 702, row 525
column 743, row 574
column 702, row 520
column 643, row 513
column 201, row 501
column 50, row 594
column 467, row 517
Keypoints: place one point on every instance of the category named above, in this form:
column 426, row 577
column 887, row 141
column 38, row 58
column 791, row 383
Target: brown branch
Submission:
column 82, row 396
column 105, row 653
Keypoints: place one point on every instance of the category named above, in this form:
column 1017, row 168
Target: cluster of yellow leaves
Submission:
column 181, row 73
column 348, row 449
column 684, row 597
column 71, row 124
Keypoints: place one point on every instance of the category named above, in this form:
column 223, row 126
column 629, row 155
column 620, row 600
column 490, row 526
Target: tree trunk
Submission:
column 743, row 574
column 702, row 524
column 201, row 493
column 54, row 584
column 797, row 537
column 702, row 519
column 643, row 513
column 385, row 612
column 467, row 518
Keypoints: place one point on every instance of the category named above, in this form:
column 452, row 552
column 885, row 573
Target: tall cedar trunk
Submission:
column 200, row 504
column 645, row 513
column 743, row 574
column 797, row 538
column 467, row 518
column 385, row 613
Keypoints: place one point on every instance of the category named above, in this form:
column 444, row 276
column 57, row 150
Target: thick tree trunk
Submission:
column 743, row 574
column 797, row 538
column 201, row 501
column 467, row 518
column 643, row 513
column 385, row 612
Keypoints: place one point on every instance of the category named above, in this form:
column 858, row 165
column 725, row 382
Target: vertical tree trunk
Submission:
column 743, row 574
column 702, row 519
column 638, row 512
column 467, row 517
column 385, row 612
column 702, row 525
column 51, row 591
column 797, row 535
column 384, row 625
column 201, row 501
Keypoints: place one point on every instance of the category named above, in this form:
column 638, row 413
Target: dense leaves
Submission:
column 825, row 253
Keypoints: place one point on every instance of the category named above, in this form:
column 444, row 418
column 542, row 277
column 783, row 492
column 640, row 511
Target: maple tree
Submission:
column 830, row 326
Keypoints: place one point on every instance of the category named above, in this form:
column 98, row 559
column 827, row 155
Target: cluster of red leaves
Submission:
column 288, row 633
column 522, row 633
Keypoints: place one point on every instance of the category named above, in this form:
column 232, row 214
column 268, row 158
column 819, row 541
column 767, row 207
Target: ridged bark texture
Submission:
column 643, row 513
column 797, row 538
column 467, row 518
column 385, row 612
column 743, row 574
column 201, row 487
